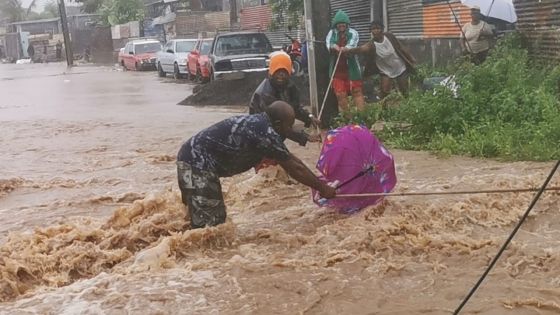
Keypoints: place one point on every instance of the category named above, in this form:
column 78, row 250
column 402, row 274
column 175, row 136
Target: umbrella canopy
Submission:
column 499, row 9
column 351, row 150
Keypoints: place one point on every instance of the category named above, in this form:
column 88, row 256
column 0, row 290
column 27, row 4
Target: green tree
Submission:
column 50, row 10
column 12, row 10
column 90, row 6
column 287, row 12
column 115, row 12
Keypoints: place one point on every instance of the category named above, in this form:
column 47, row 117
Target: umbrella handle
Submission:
column 336, row 184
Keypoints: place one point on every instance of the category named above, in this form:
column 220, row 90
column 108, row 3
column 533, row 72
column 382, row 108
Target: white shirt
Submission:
column 387, row 60
column 472, row 34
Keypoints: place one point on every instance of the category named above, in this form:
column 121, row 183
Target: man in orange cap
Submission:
column 278, row 87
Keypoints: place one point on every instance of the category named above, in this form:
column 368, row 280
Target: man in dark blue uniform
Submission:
column 233, row 146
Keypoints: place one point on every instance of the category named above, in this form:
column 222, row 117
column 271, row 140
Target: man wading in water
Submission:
column 231, row 147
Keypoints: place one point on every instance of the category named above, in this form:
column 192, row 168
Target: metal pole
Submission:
column 460, row 27
column 311, row 66
column 67, row 43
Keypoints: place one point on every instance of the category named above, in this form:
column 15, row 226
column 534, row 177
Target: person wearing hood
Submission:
column 347, row 75
column 386, row 56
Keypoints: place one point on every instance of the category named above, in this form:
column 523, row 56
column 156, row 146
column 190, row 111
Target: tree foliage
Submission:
column 287, row 13
column 12, row 10
column 49, row 11
column 115, row 12
column 90, row 6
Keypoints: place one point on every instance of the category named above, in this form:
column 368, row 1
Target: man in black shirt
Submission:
column 233, row 146
column 279, row 87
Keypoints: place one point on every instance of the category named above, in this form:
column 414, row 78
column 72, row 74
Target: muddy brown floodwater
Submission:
column 91, row 219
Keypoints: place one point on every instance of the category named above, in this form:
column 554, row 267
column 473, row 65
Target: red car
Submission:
column 197, row 61
column 139, row 54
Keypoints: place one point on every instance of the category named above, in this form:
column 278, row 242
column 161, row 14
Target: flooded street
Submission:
column 92, row 222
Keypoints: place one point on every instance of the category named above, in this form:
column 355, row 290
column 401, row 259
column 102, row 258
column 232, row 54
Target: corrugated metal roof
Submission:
column 539, row 21
column 359, row 12
column 405, row 17
column 439, row 20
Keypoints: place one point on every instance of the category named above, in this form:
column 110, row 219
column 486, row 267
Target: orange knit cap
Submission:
column 279, row 60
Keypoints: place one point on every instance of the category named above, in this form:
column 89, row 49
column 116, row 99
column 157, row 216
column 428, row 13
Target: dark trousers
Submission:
column 201, row 192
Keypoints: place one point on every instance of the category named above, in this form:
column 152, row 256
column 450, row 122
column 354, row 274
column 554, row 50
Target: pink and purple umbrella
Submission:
column 354, row 157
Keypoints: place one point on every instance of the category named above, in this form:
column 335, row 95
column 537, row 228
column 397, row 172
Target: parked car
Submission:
column 234, row 54
column 198, row 61
column 173, row 57
column 139, row 54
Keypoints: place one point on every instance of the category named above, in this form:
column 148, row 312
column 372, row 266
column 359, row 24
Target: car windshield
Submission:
column 239, row 44
column 146, row 48
column 205, row 47
column 186, row 46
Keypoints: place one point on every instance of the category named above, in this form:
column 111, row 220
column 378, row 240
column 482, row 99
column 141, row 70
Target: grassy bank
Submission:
column 507, row 108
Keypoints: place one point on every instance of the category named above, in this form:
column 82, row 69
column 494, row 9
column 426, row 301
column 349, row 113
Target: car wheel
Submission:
column 161, row 73
column 190, row 77
column 200, row 78
column 296, row 65
column 123, row 66
column 176, row 73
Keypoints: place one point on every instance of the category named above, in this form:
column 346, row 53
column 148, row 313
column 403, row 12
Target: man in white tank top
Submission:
column 386, row 56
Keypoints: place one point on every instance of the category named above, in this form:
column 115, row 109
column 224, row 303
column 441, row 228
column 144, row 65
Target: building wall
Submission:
column 439, row 21
column 255, row 17
column 50, row 27
column 539, row 22
column 191, row 24
column 405, row 18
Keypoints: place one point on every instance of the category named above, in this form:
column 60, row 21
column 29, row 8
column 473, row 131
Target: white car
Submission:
column 173, row 57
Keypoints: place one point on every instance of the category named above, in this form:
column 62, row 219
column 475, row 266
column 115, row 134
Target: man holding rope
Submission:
column 278, row 86
column 387, row 57
column 347, row 76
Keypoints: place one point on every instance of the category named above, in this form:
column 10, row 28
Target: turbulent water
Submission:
column 92, row 222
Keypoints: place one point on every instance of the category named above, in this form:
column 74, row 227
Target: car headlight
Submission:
column 224, row 65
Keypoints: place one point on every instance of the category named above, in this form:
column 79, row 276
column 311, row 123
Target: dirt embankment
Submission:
column 236, row 92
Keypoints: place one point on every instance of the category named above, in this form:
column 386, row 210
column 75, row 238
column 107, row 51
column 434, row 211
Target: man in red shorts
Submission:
column 347, row 75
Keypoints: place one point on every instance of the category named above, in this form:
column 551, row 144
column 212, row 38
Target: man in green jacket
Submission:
column 347, row 75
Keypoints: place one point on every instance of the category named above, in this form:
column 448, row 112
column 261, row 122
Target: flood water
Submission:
column 91, row 220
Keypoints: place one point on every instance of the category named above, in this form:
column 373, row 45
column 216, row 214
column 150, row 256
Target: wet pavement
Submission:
column 91, row 220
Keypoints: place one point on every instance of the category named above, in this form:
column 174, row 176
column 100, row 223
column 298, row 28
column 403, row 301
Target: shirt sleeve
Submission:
column 328, row 40
column 272, row 146
column 353, row 43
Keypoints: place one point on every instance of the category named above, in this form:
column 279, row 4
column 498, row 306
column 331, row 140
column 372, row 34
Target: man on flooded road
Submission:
column 231, row 147
column 278, row 86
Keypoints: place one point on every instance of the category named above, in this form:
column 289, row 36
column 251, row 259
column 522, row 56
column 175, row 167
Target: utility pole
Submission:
column 64, row 24
column 317, row 25
column 232, row 13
